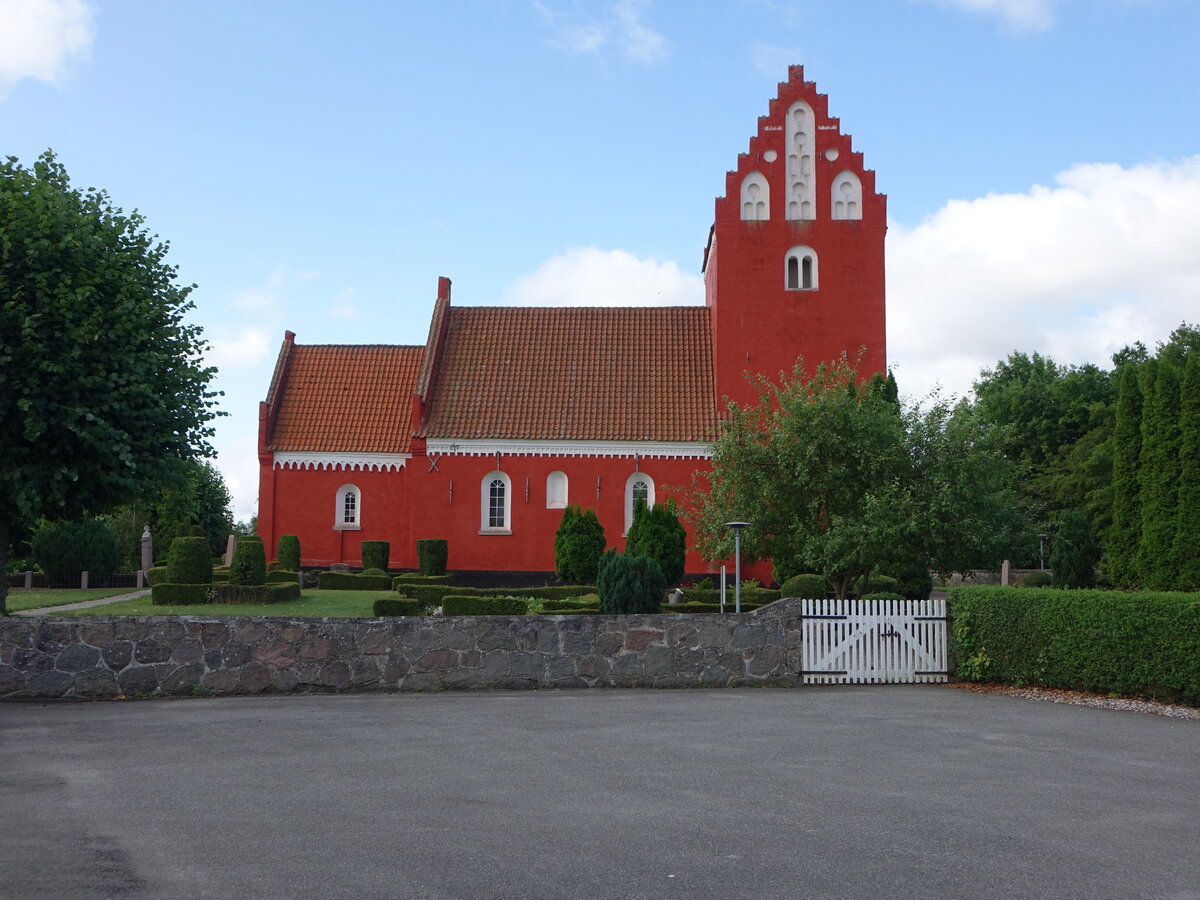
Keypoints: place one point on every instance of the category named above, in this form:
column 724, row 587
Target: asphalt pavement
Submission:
column 880, row 792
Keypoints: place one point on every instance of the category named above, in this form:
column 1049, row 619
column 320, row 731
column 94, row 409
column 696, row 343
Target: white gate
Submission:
column 874, row 641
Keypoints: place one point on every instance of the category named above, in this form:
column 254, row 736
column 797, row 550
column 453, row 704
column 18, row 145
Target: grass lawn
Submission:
column 35, row 598
column 312, row 604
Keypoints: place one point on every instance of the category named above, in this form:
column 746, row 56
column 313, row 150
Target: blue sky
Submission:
column 316, row 166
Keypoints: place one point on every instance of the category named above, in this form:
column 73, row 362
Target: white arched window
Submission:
column 846, row 197
column 495, row 504
column 639, row 486
column 347, row 508
column 556, row 490
column 800, row 269
column 756, row 198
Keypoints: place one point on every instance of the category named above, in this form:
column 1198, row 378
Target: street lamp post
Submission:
column 737, row 562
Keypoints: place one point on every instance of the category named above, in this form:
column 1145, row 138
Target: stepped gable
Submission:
column 575, row 374
column 346, row 399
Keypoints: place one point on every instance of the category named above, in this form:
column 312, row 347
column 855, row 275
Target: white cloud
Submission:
column 1018, row 15
column 39, row 37
column 237, row 349
column 1076, row 271
column 588, row 276
column 580, row 31
column 266, row 297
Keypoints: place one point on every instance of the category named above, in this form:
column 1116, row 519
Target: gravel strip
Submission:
column 1079, row 698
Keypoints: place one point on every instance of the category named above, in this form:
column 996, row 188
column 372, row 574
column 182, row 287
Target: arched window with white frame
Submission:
column 495, row 504
column 347, row 508
column 800, row 269
column 756, row 198
column 556, row 490
column 639, row 486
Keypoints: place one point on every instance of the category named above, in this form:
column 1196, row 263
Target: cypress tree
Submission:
column 1158, row 477
column 565, row 527
column 578, row 544
column 1075, row 554
column 1125, row 533
column 1187, row 527
column 656, row 533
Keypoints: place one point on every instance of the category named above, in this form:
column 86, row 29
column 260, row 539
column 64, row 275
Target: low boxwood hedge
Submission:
column 283, row 576
column 433, row 594
column 468, row 605
column 156, row 575
column 757, row 596
column 167, row 594
column 397, row 606
column 204, row 594
column 349, row 581
column 414, row 578
column 1133, row 644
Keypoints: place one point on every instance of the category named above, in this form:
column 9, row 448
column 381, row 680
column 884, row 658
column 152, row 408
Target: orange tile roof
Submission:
column 344, row 399
column 572, row 373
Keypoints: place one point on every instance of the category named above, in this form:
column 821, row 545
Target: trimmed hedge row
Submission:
column 465, row 605
column 349, row 581
column 283, row 576
column 434, row 594
column 205, row 594
column 1144, row 645
column 397, row 606
column 414, row 578
column 759, row 596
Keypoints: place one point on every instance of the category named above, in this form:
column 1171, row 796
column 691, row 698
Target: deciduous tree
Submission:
column 102, row 386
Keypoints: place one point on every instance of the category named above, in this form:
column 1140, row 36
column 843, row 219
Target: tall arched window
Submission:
column 800, row 269
column 756, row 198
column 556, row 490
column 495, row 503
column 639, row 486
column 347, row 508
column 846, row 197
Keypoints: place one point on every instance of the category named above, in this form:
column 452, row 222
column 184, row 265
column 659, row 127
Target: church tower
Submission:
column 794, row 264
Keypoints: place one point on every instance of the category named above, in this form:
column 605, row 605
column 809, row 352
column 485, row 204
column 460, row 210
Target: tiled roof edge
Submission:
column 279, row 380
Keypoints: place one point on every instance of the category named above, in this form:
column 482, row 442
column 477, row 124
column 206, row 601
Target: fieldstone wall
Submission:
column 97, row 657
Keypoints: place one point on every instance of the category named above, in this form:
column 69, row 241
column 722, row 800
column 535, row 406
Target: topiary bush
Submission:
column 249, row 566
column 374, row 572
column 578, row 545
column 396, row 606
column 1037, row 580
column 350, row 581
column 180, row 594
column 880, row 584
column 287, row 551
column 68, row 548
column 656, row 533
column 188, row 561
column 883, row 595
column 629, row 584
column 808, row 587
column 279, row 576
column 375, row 555
column 432, row 554
column 460, row 605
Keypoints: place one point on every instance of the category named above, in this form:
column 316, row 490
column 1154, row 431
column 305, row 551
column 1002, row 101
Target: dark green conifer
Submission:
column 578, row 544
column 656, row 533
column 1158, row 476
column 1187, row 528
column 1124, row 535
column 1075, row 553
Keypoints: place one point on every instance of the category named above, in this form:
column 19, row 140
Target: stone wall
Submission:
column 104, row 657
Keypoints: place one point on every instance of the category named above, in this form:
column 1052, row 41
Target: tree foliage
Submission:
column 656, row 532
column 64, row 549
column 838, row 479
column 1187, row 527
column 578, row 546
column 102, row 388
column 629, row 584
column 1158, row 475
column 1075, row 552
column 1124, row 532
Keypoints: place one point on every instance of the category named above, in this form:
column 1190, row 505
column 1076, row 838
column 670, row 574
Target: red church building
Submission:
column 506, row 415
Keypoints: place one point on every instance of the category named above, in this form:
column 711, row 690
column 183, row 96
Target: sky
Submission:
column 317, row 166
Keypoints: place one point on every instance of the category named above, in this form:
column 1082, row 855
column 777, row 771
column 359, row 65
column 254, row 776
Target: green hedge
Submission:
column 464, row 605
column 283, row 576
column 376, row 554
column 1144, row 645
column 348, row 581
column 398, row 580
column 166, row 594
column 156, row 575
column 756, row 595
column 189, row 561
column 557, row 606
column 397, row 606
column 432, row 555
column 220, row 577
column 287, row 551
column 201, row 594
column 807, row 586
column 432, row 594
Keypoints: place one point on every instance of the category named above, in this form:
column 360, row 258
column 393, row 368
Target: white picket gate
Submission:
column 874, row 641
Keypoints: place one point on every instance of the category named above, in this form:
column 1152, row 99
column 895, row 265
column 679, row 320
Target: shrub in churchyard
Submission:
column 188, row 561
column 375, row 554
column 249, row 566
column 629, row 584
column 287, row 551
column 432, row 554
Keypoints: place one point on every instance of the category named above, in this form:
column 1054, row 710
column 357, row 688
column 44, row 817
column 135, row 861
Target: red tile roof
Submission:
column 572, row 373
column 344, row 399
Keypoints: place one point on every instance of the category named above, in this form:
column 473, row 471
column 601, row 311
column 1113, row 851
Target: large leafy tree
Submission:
column 102, row 385
column 841, row 479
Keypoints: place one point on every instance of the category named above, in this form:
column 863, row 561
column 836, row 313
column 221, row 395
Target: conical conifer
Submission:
column 1187, row 527
column 1124, row 536
column 1159, row 477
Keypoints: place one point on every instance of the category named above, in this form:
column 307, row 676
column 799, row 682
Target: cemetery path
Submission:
column 85, row 604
